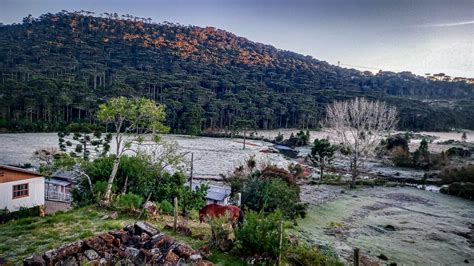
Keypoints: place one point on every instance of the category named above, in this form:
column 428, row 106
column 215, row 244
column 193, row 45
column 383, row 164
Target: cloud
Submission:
column 440, row 25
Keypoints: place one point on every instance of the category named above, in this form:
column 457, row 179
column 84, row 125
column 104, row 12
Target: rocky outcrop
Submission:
column 136, row 244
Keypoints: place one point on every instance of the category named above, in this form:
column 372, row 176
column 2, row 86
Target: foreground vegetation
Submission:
column 26, row 236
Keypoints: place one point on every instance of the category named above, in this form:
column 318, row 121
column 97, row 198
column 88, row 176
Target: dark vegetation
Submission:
column 268, row 189
column 56, row 70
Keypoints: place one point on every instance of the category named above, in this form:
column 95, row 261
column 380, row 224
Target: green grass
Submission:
column 23, row 237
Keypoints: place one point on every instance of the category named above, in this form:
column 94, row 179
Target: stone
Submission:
column 51, row 257
column 34, row 260
column 70, row 261
column 164, row 242
column 132, row 252
column 155, row 251
column 123, row 235
column 144, row 237
column 144, row 227
column 195, row 257
column 183, row 251
column 91, row 254
column 108, row 238
column 184, row 230
column 171, row 257
column 466, row 261
column 382, row 257
column 73, row 248
column 150, row 208
column 95, row 243
column 102, row 262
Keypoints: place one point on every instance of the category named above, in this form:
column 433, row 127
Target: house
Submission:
column 217, row 194
column 20, row 188
column 58, row 186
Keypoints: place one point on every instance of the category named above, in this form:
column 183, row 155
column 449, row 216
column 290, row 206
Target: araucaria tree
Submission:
column 359, row 125
column 322, row 154
column 132, row 119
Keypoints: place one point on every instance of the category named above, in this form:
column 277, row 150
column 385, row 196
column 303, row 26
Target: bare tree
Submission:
column 359, row 125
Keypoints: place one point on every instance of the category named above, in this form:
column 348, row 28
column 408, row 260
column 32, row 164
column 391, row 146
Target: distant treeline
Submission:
column 56, row 69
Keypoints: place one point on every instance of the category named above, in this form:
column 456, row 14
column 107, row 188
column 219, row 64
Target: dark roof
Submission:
column 17, row 169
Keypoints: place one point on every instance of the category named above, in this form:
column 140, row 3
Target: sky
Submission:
column 421, row 36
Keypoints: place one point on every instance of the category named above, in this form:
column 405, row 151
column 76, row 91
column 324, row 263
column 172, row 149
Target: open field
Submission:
column 408, row 225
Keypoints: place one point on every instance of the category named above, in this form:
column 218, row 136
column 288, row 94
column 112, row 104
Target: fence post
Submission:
column 356, row 256
column 175, row 223
column 280, row 241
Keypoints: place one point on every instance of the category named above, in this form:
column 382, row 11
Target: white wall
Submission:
column 35, row 197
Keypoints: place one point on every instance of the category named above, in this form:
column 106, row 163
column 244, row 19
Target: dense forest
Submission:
column 57, row 69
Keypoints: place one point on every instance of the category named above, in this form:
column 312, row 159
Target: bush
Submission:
column 128, row 202
column 166, row 207
column 6, row 215
column 268, row 189
column 259, row 234
column 307, row 255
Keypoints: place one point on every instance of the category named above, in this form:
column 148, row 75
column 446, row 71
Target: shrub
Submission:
column 166, row 207
column 6, row 215
column 259, row 234
column 304, row 254
column 128, row 202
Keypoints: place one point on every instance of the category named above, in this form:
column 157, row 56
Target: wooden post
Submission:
column 175, row 223
column 191, row 175
column 356, row 256
column 280, row 239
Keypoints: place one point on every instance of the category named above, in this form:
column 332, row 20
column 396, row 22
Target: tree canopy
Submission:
column 58, row 68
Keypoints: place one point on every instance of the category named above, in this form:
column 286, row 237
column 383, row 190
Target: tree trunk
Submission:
column 110, row 182
column 354, row 172
column 321, row 171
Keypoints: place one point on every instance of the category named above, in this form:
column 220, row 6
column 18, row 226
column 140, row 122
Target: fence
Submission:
column 57, row 196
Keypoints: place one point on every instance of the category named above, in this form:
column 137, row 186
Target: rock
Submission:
column 466, row 261
column 150, row 208
column 144, row 237
column 195, row 257
column 390, row 227
column 382, row 257
column 34, row 260
column 155, row 251
column 91, row 254
column 393, row 264
column 132, row 253
column 184, row 251
column 102, row 262
column 144, row 227
column 108, row 238
column 95, row 243
column 120, row 234
column 51, row 257
column 70, row 261
column 171, row 257
column 164, row 243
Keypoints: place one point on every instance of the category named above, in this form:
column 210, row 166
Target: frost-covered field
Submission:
column 414, row 143
column 212, row 156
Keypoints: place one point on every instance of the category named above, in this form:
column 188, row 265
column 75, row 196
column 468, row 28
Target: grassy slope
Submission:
column 26, row 236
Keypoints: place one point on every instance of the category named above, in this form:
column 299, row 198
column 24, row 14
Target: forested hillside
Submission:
column 56, row 69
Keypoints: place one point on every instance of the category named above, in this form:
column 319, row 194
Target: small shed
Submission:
column 216, row 193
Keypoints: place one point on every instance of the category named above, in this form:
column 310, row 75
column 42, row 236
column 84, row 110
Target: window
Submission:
column 20, row 191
